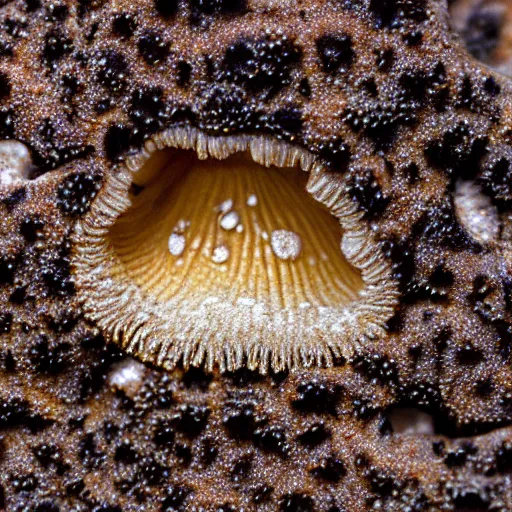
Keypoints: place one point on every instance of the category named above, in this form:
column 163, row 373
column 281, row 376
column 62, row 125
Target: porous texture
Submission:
column 382, row 90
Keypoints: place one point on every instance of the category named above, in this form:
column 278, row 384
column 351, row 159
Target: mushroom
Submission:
column 230, row 251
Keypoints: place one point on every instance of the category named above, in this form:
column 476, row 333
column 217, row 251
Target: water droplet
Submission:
column 220, row 254
column 252, row 200
column 177, row 244
column 225, row 206
column 229, row 220
column 181, row 226
column 286, row 245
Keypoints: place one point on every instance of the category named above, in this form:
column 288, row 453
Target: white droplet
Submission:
column 220, row 254
column 476, row 212
column 127, row 376
column 15, row 162
column 286, row 245
column 239, row 228
column 229, row 220
column 177, row 244
column 225, row 206
column 181, row 226
column 252, row 200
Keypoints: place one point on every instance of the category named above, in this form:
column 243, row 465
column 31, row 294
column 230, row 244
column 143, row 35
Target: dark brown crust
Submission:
column 82, row 97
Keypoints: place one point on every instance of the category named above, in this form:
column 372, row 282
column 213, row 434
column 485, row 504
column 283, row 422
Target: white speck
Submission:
column 252, row 200
column 264, row 235
column 181, row 226
column 476, row 212
column 196, row 244
column 127, row 376
column 229, row 220
column 239, row 228
column 244, row 301
column 225, row 206
column 15, row 162
column 220, row 254
column 286, row 245
column 177, row 244
column 312, row 261
column 210, row 300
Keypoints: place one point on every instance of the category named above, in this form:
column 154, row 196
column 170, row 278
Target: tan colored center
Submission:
column 231, row 230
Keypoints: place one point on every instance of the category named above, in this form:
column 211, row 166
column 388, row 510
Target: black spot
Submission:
column 89, row 453
column 241, row 422
column 497, row 181
column 286, row 122
column 176, row 496
column 148, row 111
column 471, row 500
column 459, row 152
column 184, row 73
column 18, row 295
column 201, row 8
column 262, row 494
column 13, row 412
column 5, row 86
column 413, row 38
column 365, row 189
column 5, row 322
column 124, row 25
column 241, row 468
column 468, row 355
column 492, row 87
column 389, row 13
column 336, row 53
column 305, row 88
column 57, row 275
column 224, row 110
column 8, row 267
column 336, row 154
column 31, row 228
column 261, row 65
column 56, row 46
column 385, row 60
column 314, row 435
column 49, row 357
column 504, row 458
column 153, row 48
column 112, row 70
column 191, row 419
column 51, row 149
column 7, row 120
column 439, row 283
column 456, row 458
column 166, row 8
column 332, row 469
column 165, row 434
column 117, row 142
column 296, row 503
column 77, row 191
column 272, row 439
column 56, row 12
column 316, row 397
column 378, row 368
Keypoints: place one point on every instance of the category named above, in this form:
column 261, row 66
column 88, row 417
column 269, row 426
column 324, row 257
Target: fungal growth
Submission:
column 231, row 251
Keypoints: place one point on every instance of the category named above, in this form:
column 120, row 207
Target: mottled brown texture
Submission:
column 83, row 83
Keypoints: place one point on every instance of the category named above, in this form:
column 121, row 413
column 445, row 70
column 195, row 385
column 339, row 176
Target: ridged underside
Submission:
column 224, row 291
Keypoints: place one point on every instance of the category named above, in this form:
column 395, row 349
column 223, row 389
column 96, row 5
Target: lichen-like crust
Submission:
column 380, row 92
